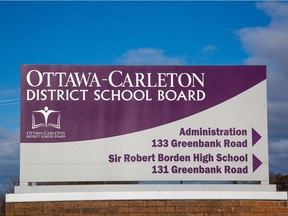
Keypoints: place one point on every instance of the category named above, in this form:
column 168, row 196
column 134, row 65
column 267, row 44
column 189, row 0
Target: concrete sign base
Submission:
column 145, row 192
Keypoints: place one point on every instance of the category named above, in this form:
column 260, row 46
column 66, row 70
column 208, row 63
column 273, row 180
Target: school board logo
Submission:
column 46, row 118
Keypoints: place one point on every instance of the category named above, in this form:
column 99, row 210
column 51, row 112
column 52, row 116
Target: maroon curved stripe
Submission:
column 91, row 119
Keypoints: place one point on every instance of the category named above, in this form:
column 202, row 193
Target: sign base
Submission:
column 145, row 192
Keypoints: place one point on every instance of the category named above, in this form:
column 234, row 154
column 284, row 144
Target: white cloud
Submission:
column 279, row 146
column 206, row 54
column 148, row 56
column 276, row 10
column 4, row 91
column 209, row 49
column 268, row 45
column 278, row 163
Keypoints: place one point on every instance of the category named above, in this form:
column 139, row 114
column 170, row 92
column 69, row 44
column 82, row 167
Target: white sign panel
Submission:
column 143, row 123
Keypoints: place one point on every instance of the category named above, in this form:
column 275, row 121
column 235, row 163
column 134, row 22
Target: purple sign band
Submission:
column 62, row 103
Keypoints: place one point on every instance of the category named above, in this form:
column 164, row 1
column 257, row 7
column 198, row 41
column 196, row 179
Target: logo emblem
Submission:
column 46, row 118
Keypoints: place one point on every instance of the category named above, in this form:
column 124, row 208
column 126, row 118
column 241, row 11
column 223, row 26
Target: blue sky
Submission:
column 185, row 33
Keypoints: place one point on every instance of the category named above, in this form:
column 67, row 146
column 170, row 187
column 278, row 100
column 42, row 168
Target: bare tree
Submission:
column 280, row 180
column 8, row 188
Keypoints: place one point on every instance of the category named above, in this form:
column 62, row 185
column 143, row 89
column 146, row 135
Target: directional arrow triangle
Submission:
column 256, row 162
column 255, row 137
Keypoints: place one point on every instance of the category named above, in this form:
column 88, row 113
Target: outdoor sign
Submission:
column 143, row 123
